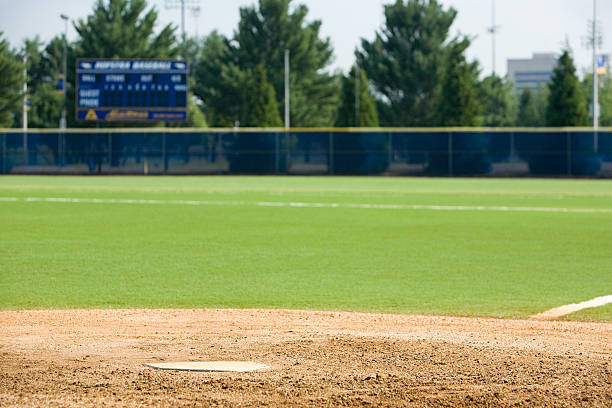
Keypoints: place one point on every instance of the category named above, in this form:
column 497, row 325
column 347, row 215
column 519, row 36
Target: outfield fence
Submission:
column 353, row 151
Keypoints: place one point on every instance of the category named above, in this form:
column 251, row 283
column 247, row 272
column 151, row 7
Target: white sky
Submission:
column 527, row 26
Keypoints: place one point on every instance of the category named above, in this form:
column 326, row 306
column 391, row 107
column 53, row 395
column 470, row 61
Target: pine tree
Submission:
column 496, row 99
column 46, row 106
column 219, row 82
column 528, row 114
column 405, row 62
column 124, row 29
column 459, row 105
column 262, row 108
column 566, row 103
column 263, row 33
column 11, row 82
column 368, row 114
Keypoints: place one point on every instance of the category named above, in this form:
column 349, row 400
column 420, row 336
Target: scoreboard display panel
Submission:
column 131, row 90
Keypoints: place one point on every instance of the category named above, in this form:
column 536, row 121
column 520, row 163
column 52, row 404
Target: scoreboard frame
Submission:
column 151, row 108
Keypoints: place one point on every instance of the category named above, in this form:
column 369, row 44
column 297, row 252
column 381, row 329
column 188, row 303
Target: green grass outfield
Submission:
column 244, row 246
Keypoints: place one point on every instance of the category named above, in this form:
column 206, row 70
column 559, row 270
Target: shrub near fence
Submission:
column 430, row 151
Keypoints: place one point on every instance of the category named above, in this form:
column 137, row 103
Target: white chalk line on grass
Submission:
column 310, row 205
column 567, row 309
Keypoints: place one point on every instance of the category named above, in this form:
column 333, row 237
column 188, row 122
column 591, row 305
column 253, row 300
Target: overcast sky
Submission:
column 526, row 26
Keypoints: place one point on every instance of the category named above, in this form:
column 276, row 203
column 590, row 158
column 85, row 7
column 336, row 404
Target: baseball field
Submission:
column 355, row 291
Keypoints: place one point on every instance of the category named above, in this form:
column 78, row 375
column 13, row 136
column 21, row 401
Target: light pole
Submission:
column 357, row 95
column 181, row 4
column 595, row 75
column 196, row 11
column 493, row 31
column 25, row 91
column 287, row 93
column 65, row 64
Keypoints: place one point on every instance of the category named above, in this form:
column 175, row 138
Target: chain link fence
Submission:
column 410, row 152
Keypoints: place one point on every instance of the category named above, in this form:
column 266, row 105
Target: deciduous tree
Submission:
column 459, row 105
column 11, row 82
column 529, row 114
column 497, row 103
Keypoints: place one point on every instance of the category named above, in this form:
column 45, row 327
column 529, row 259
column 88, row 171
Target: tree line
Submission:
column 413, row 73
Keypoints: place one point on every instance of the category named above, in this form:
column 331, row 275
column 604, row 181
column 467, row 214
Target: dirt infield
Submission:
column 96, row 358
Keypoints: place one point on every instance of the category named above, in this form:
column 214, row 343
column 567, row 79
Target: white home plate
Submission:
column 218, row 366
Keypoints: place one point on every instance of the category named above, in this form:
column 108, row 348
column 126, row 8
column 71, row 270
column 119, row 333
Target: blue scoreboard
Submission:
column 131, row 90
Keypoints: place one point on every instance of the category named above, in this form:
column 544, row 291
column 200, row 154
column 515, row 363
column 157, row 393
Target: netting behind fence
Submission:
column 439, row 152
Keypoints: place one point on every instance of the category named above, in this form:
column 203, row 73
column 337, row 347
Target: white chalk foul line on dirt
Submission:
column 567, row 309
column 311, row 205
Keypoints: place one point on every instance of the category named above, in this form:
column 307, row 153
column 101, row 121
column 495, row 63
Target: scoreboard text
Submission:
column 131, row 90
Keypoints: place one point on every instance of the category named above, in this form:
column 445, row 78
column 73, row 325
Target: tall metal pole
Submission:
column 196, row 11
column 183, row 19
column 493, row 36
column 287, row 101
column 192, row 4
column 25, row 108
column 595, row 75
column 493, row 31
column 65, row 69
column 357, row 95
column 25, row 95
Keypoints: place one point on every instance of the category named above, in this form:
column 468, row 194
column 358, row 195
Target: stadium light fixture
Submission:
column 193, row 5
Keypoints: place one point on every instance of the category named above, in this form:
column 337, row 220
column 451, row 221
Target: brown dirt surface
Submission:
column 96, row 358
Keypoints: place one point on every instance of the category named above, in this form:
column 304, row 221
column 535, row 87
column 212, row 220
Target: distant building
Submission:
column 533, row 72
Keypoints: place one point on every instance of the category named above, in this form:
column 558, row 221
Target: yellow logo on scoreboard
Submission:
column 91, row 115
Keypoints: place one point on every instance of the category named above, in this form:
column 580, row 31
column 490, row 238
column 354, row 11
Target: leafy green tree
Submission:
column 368, row 115
column 405, row 62
column 33, row 49
column 219, row 83
column 263, row 108
column 459, row 105
column 11, row 82
column 496, row 99
column 124, row 29
column 46, row 106
column 191, row 51
column 566, row 103
column 605, row 97
column 44, row 66
column 528, row 113
column 263, row 33
column 262, row 36
column 195, row 116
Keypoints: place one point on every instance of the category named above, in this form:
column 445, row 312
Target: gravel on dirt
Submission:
column 97, row 358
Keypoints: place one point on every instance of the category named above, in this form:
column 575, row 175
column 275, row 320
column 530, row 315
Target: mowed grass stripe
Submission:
column 61, row 255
